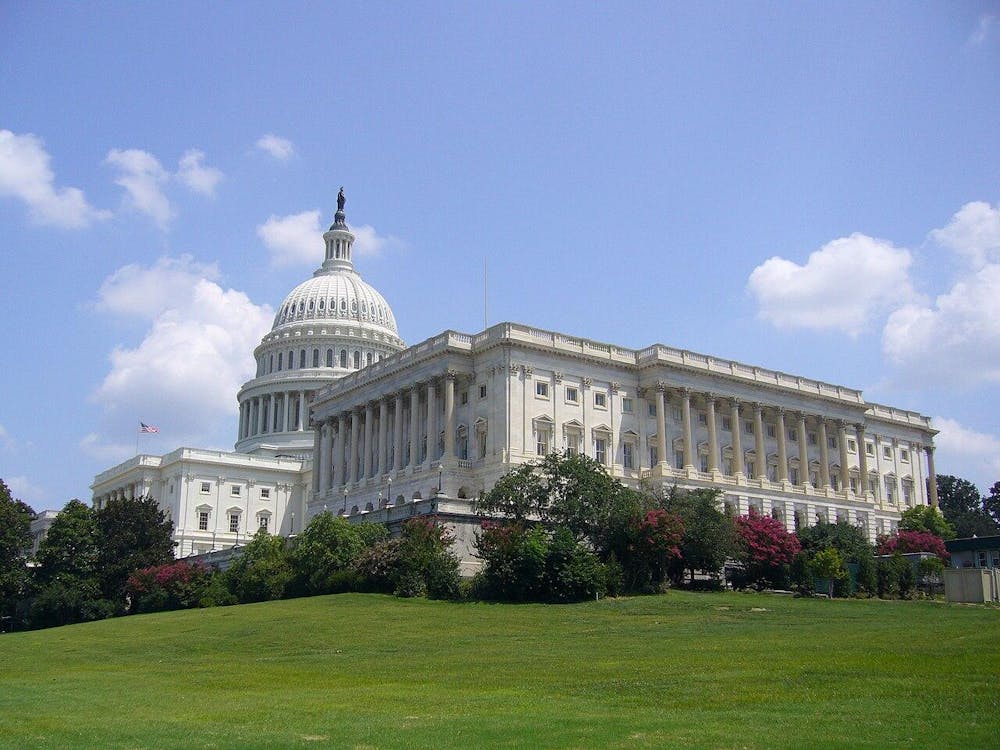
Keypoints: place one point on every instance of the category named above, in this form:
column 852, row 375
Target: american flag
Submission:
column 143, row 427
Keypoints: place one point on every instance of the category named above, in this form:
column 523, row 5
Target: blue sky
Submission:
column 810, row 187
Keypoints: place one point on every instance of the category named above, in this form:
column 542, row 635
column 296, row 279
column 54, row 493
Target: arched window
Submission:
column 302, row 358
column 322, row 303
column 270, row 364
column 329, row 357
column 281, row 357
column 315, row 357
column 357, row 360
column 343, row 358
column 291, row 360
column 368, row 358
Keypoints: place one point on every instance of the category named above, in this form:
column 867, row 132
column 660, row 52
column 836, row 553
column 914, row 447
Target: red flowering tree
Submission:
column 657, row 537
column 914, row 541
column 176, row 585
column 766, row 549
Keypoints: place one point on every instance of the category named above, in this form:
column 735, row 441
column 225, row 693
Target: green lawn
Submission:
column 360, row 671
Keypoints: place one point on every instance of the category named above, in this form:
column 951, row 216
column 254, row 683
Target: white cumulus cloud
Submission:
column 184, row 373
column 280, row 148
column 136, row 290
column 144, row 180
column 195, row 175
column 368, row 242
column 967, row 453
column 841, row 287
column 25, row 174
column 973, row 233
column 294, row 239
column 22, row 488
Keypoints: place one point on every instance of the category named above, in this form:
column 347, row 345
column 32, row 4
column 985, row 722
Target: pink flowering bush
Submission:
column 914, row 541
column 175, row 585
column 766, row 549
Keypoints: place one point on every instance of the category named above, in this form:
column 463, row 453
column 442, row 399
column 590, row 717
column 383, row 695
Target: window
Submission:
column 343, row 358
column 771, row 431
column 234, row 523
column 264, row 522
column 541, row 441
column 628, row 453
column 203, row 520
column 811, row 438
column 793, row 475
column 270, row 365
column 793, row 435
column 703, row 463
column 600, row 450
column 265, row 493
column 464, row 398
column 357, row 360
column 870, row 449
column 541, row 389
column 887, row 453
column 702, row 418
column 748, row 427
column 678, row 459
column 626, row 405
column 907, row 493
column 651, row 408
column 302, row 358
column 654, row 457
column 369, row 358
column 206, row 487
column 873, row 486
column 675, row 414
column 852, row 445
column 315, row 357
column 572, row 394
column 482, row 391
column 831, row 441
column 890, row 489
column 600, row 400
column 854, row 484
column 329, row 357
column 904, row 455
column 235, row 490
column 727, row 424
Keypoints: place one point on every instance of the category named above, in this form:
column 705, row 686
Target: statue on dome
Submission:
column 341, row 200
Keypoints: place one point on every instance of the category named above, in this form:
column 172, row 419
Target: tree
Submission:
column 709, row 533
column 15, row 543
column 927, row 518
column 261, row 571
column 914, row 541
column 656, row 542
column 133, row 533
column 323, row 552
column 766, row 549
column 964, row 508
column 847, row 539
column 66, row 582
column 827, row 564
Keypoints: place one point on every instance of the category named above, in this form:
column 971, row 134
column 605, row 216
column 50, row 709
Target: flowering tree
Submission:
column 914, row 541
column 176, row 585
column 656, row 541
column 766, row 548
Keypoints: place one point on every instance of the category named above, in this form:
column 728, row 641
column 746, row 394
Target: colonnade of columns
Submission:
column 358, row 444
column 783, row 421
column 273, row 412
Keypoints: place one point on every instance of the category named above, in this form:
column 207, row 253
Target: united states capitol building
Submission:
column 343, row 417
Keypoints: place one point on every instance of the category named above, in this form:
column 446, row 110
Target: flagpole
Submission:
column 137, row 431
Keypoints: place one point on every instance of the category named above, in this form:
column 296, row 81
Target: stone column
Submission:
column 317, row 453
column 325, row 454
column 803, row 451
column 383, row 451
column 824, row 455
column 340, row 452
column 270, row 413
column 397, row 433
column 661, row 423
column 366, row 455
column 845, row 470
column 782, row 447
column 302, row 411
column 415, row 425
column 432, row 428
column 862, row 460
column 760, row 464
column 713, row 435
column 686, row 422
column 354, row 464
column 737, row 433
column 931, row 476
column 449, row 415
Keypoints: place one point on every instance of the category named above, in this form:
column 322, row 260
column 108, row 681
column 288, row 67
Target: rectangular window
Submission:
column 203, row 520
column 870, row 449
column 482, row 391
column 748, row 427
column 907, row 492
column 654, row 457
column 887, row 453
column 235, row 490
column 854, row 484
column 628, row 460
column 890, row 489
column 600, row 450
column 541, row 389
column 678, row 459
column 264, row 522
column 675, row 414
column 831, row 442
column 626, row 405
column 542, row 443
column 703, row 462
column 702, row 418
column 464, row 399
column 234, row 523
column 651, row 408
column 727, row 423
column 811, row 438
column 852, row 445
column 771, row 431
column 904, row 455
column 793, row 475
column 265, row 493
column 572, row 394
column 793, row 434
column 206, row 487
column 600, row 400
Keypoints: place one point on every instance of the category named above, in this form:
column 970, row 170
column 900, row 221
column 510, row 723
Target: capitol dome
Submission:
column 327, row 327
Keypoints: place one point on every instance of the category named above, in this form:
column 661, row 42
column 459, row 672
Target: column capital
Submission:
column 734, row 402
column 587, row 382
column 860, row 427
column 615, row 385
column 558, row 376
column 661, row 386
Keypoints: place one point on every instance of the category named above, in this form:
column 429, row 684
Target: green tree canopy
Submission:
column 846, row 538
column 964, row 508
column 327, row 547
column 926, row 518
column 133, row 533
column 709, row 534
column 15, row 543
column 261, row 571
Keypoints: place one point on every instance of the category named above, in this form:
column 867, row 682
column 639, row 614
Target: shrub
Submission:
column 262, row 571
column 766, row 549
column 914, row 541
column 176, row 585
column 328, row 546
column 417, row 563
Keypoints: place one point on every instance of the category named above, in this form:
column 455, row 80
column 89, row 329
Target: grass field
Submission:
column 364, row 671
